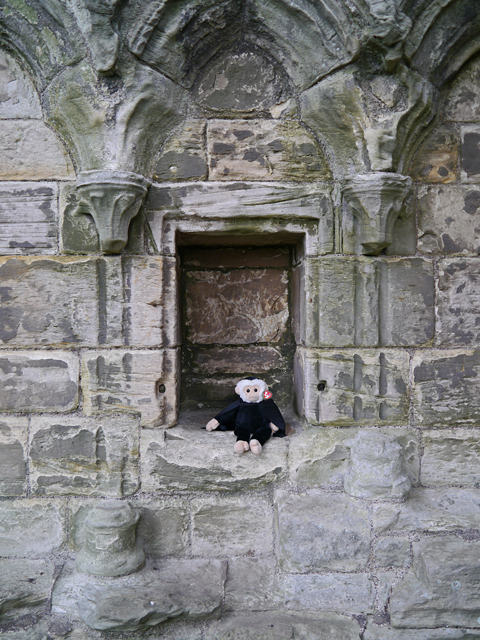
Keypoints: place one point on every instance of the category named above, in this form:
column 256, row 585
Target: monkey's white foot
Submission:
column 241, row 446
column 255, row 447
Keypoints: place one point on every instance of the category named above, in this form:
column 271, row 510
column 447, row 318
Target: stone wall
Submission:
column 343, row 182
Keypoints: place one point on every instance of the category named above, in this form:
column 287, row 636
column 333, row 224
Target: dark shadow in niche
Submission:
column 236, row 320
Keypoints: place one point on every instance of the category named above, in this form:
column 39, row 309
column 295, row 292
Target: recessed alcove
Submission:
column 218, row 236
column 236, row 319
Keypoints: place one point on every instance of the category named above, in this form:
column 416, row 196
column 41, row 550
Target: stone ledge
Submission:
column 25, row 587
column 192, row 459
column 165, row 589
column 277, row 625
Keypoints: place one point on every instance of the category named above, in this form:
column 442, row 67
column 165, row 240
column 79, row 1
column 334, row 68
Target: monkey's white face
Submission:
column 251, row 390
column 252, row 393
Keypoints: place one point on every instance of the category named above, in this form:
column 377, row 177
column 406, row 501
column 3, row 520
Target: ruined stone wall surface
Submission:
column 362, row 524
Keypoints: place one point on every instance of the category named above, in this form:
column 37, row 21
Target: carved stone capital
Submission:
column 110, row 546
column 376, row 200
column 112, row 198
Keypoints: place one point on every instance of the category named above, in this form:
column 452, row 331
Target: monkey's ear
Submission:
column 238, row 391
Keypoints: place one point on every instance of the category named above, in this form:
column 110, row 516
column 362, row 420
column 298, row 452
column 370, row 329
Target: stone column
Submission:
column 110, row 546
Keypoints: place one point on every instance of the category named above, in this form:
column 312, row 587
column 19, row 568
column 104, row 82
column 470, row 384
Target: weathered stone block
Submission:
column 446, row 388
column 28, row 213
column 264, row 150
column 451, row 456
column 223, row 308
column 319, row 457
column 462, row 102
column 365, row 302
column 13, row 456
column 384, row 583
column 25, row 588
column 164, row 525
column 437, row 158
column 115, row 301
column 56, row 627
column 31, row 151
column 345, row 593
column 443, row 589
column 252, row 584
column 137, row 381
column 236, row 360
column 184, row 156
column 242, row 208
column 470, row 135
column 241, row 82
column 165, row 589
column 429, row 510
column 191, row 459
column 279, row 625
column 458, row 300
column 447, row 219
column 374, row 632
column 319, row 532
column 78, row 233
column 48, row 301
column 31, row 527
column 34, row 381
column 84, row 456
column 392, row 552
column 18, row 96
column 231, row 526
column 366, row 387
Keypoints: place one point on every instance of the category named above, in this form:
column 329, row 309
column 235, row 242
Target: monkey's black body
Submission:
column 251, row 420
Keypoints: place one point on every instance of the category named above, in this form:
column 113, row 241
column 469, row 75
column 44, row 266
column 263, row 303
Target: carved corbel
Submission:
column 113, row 198
column 376, row 200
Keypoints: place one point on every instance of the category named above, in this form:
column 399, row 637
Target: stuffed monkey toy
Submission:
column 253, row 417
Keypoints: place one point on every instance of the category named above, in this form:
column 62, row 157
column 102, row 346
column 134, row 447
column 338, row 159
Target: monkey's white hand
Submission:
column 213, row 424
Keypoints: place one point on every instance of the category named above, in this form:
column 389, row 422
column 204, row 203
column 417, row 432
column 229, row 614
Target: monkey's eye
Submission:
column 255, row 390
column 247, row 390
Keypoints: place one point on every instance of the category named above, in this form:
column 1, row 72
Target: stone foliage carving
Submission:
column 369, row 122
column 113, row 198
column 376, row 200
column 104, row 41
column 376, row 467
column 152, row 53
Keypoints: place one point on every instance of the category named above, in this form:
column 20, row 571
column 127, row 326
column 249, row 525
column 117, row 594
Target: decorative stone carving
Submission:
column 376, row 467
column 113, row 198
column 369, row 122
column 376, row 200
column 104, row 41
column 110, row 548
column 389, row 30
column 114, row 133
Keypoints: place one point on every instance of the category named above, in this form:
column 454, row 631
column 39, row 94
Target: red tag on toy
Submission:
column 267, row 395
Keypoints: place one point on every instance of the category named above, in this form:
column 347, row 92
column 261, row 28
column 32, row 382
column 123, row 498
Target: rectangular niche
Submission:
column 227, row 230
column 236, row 320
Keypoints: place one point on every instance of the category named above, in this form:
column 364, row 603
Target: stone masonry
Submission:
column 194, row 191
